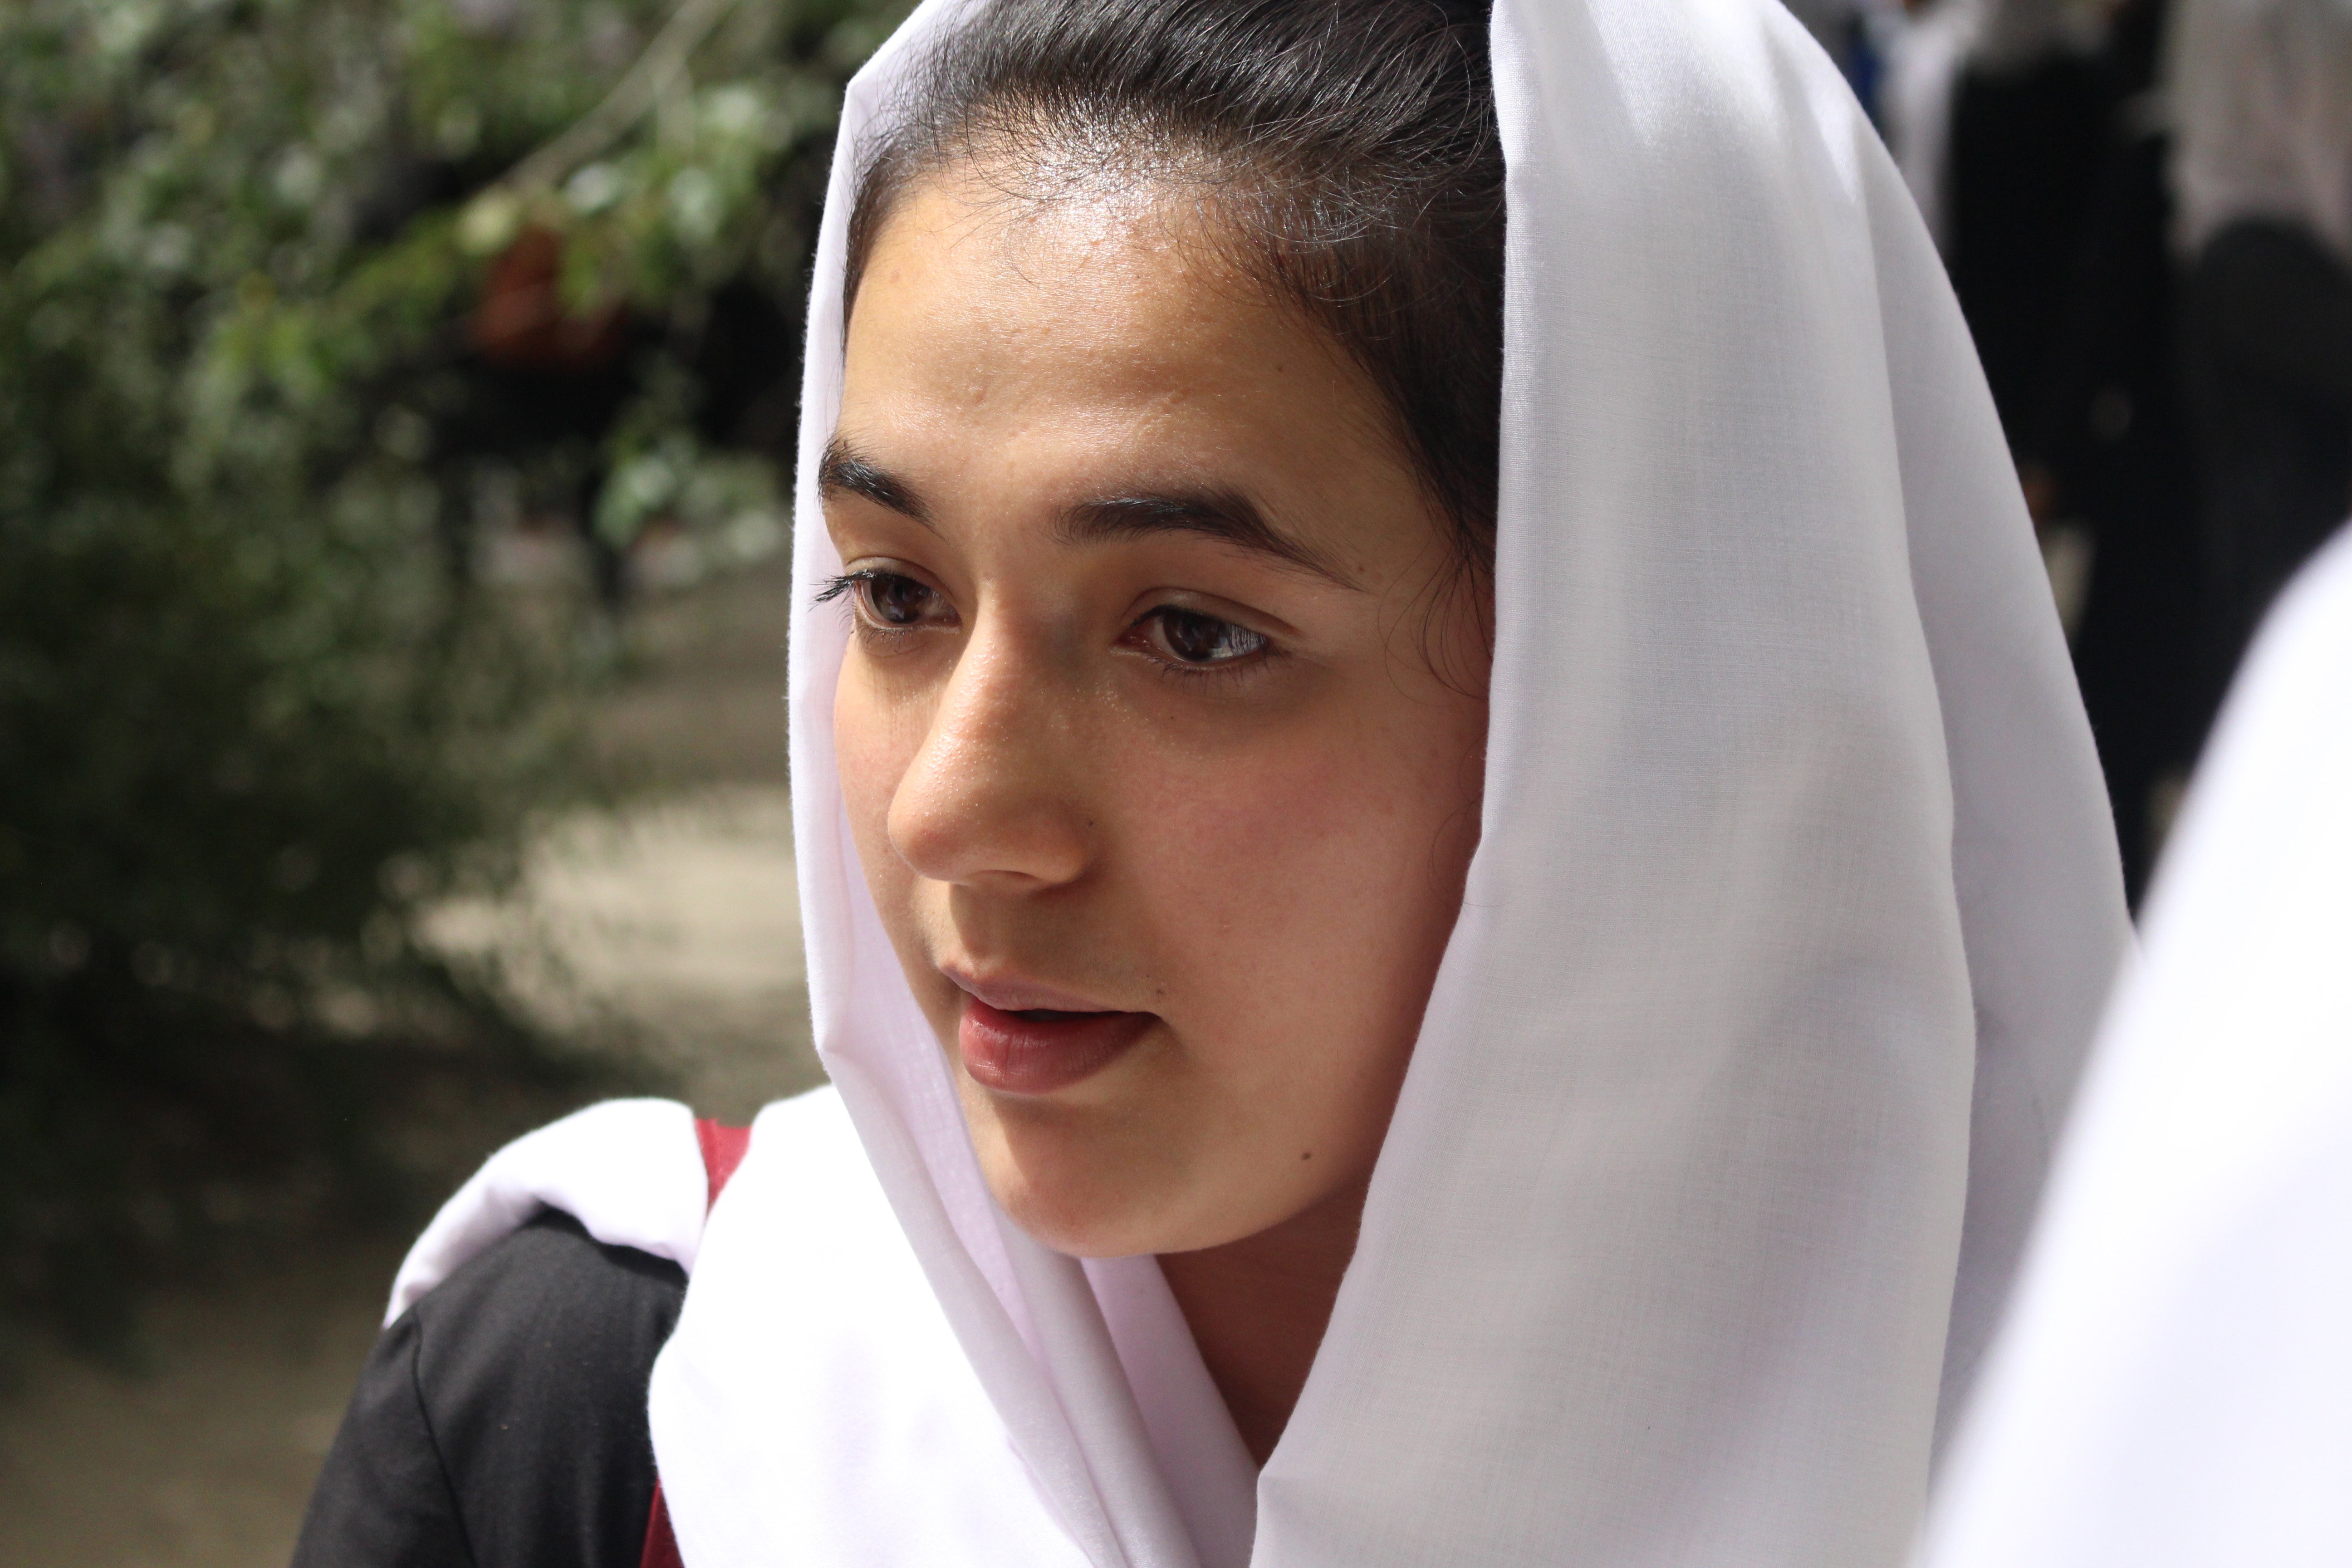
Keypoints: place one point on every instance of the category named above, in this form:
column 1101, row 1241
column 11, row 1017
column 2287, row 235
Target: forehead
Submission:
column 996, row 307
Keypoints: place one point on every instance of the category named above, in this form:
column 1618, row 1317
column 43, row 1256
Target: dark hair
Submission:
column 1351, row 144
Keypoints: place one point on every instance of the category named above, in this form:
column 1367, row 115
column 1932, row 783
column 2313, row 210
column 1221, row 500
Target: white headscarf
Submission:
column 1794, row 849
column 2174, row 1387
column 1793, row 910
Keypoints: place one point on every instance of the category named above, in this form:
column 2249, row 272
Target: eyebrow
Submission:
column 845, row 471
column 1220, row 514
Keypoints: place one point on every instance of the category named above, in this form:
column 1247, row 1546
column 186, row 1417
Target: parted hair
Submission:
column 1348, row 147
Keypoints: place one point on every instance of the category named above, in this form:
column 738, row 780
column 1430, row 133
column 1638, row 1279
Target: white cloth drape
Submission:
column 2174, row 1389
column 1794, row 907
column 651, row 1199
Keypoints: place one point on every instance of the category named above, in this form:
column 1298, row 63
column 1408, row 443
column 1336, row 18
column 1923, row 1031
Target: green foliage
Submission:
column 251, row 720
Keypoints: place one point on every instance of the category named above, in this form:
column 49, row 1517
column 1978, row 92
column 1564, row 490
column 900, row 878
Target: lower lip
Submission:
column 1015, row 1055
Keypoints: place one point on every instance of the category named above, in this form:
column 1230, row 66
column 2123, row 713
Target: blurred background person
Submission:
column 2102, row 444
column 2261, row 168
column 2026, row 116
column 2097, row 422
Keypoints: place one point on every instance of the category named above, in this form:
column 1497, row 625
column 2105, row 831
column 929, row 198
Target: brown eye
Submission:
column 1190, row 638
column 894, row 601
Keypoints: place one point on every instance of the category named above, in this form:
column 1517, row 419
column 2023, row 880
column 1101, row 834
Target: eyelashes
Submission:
column 886, row 601
column 1193, row 641
column 888, row 608
column 850, row 582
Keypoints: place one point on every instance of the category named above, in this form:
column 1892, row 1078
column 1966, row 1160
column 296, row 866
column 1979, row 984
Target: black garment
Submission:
column 2110, row 431
column 500, row 1423
column 2024, row 156
column 2267, row 338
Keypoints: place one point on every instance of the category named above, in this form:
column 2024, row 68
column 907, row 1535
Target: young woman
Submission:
column 1452, row 874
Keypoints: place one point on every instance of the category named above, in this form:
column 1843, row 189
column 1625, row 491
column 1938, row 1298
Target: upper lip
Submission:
column 1015, row 994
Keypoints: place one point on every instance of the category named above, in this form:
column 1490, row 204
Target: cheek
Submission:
column 1304, row 892
column 874, row 741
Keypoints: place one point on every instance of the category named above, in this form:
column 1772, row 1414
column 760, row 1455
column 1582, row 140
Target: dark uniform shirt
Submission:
column 500, row 1423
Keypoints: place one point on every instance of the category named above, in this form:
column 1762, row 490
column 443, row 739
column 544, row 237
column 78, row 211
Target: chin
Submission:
column 1074, row 1235
column 1066, row 1209
column 1079, row 1191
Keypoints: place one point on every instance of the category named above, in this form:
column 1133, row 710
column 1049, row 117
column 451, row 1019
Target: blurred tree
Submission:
column 288, row 289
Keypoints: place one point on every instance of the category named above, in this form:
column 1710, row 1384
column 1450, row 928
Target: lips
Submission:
column 1013, row 1042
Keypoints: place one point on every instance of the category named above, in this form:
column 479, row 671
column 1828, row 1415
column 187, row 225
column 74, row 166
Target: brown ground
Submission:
column 672, row 924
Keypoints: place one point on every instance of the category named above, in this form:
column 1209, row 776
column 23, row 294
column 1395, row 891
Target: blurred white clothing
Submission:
column 2173, row 1388
column 2262, row 104
column 1923, row 75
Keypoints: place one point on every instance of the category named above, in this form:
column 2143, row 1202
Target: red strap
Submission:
column 661, row 1542
column 722, row 1150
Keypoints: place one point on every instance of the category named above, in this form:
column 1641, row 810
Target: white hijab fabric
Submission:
column 1793, row 910
column 1794, row 853
column 2174, row 1389
column 651, row 1200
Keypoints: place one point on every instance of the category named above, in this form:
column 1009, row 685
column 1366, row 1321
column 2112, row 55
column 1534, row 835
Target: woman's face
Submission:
column 1154, row 783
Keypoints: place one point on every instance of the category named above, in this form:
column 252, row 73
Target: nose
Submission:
column 989, row 800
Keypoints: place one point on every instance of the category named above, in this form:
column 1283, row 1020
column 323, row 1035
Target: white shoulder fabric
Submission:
column 1793, row 916
column 629, row 1170
column 2174, row 1389
column 839, row 1421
